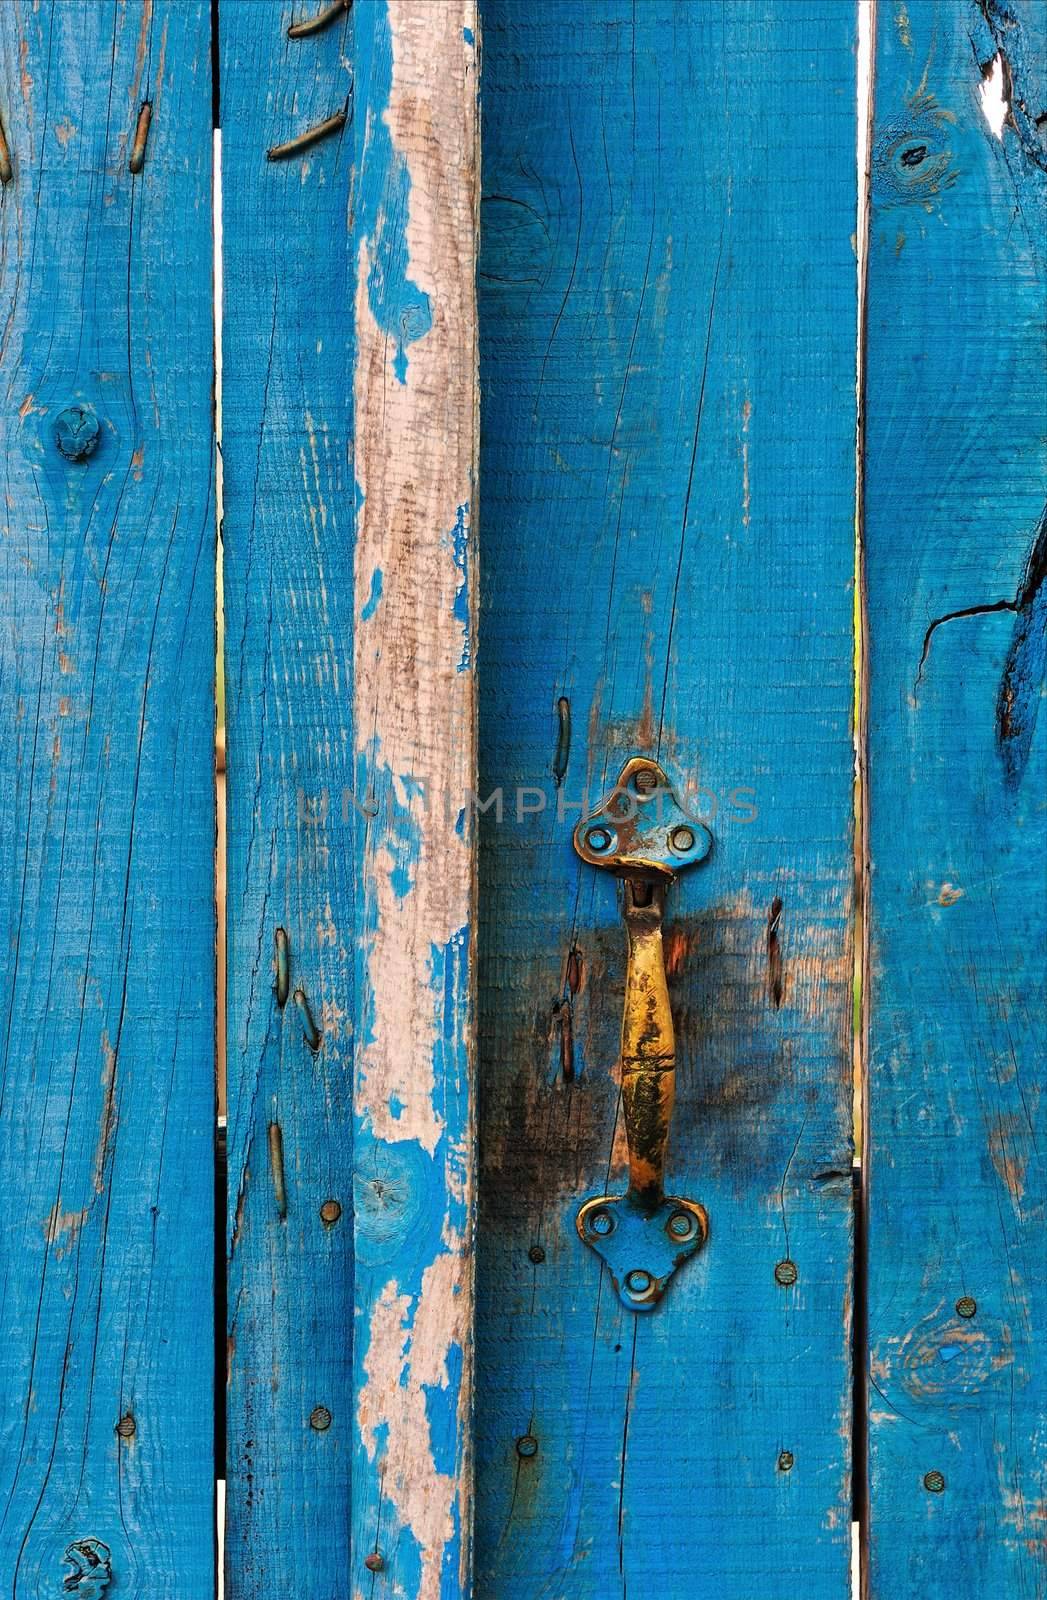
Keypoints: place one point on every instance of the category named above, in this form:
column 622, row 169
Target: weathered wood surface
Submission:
column 106, row 803
column 288, row 509
column 956, row 556
column 667, row 313
column 415, row 201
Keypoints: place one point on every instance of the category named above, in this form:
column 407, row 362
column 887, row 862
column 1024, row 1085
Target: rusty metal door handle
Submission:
column 641, row 833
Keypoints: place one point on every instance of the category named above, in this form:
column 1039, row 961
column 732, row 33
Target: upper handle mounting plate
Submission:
column 640, row 830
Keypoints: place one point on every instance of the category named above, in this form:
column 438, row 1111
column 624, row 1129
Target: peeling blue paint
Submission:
column 410, row 1206
column 461, row 547
column 371, row 604
column 468, row 36
column 441, row 1405
column 400, row 308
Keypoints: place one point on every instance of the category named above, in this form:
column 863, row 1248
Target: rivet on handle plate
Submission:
column 641, row 833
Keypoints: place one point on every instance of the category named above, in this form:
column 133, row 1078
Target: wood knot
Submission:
column 913, row 160
column 91, row 1564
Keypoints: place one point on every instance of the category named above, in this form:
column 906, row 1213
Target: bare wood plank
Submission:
column 288, row 496
column 956, row 554
column 106, row 800
column 415, row 395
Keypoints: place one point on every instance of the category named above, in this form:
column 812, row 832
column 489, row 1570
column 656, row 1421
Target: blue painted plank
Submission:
column 414, row 210
column 668, row 334
column 288, row 586
column 956, row 553
column 106, row 803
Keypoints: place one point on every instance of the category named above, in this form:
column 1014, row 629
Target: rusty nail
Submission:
column 965, row 1306
column 127, row 1427
column 933, row 1482
column 566, row 1019
column 574, row 970
column 145, row 117
column 312, row 1032
column 283, row 967
column 785, row 1461
column 276, row 1166
column 374, row 1562
column 330, row 1211
column 562, row 753
column 320, row 1419
column 536, row 1254
column 646, row 781
column 682, row 839
column 527, row 1446
column 302, row 30
column 311, row 136
column 785, row 1273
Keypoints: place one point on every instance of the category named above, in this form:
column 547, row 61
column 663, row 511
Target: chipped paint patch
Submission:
column 62, row 1227
column 413, row 1355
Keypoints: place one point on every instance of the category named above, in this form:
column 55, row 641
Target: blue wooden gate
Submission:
column 699, row 424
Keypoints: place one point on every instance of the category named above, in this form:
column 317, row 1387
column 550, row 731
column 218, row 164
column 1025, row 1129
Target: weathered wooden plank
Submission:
column 957, row 764
column 286, row 424
column 106, row 802
column 415, row 396
column 667, row 301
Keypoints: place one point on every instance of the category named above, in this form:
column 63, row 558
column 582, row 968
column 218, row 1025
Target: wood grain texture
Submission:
column 106, row 804
column 667, row 313
column 288, row 497
column 956, row 553
column 415, row 397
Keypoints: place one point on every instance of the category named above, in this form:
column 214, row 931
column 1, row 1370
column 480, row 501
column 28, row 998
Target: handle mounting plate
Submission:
column 640, row 830
column 642, row 1249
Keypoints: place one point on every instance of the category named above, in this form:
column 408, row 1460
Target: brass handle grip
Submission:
column 648, row 1044
column 641, row 833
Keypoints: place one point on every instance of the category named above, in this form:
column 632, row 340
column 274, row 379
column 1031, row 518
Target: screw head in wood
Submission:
column 681, row 1226
column 77, row 432
column 320, row 1419
column 682, row 839
column 965, row 1306
column 934, row 1482
column 785, row 1461
column 374, row 1562
column 127, row 1427
column 602, row 1223
column 646, row 781
column 536, row 1254
column 785, row 1273
column 527, row 1446
column 330, row 1211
